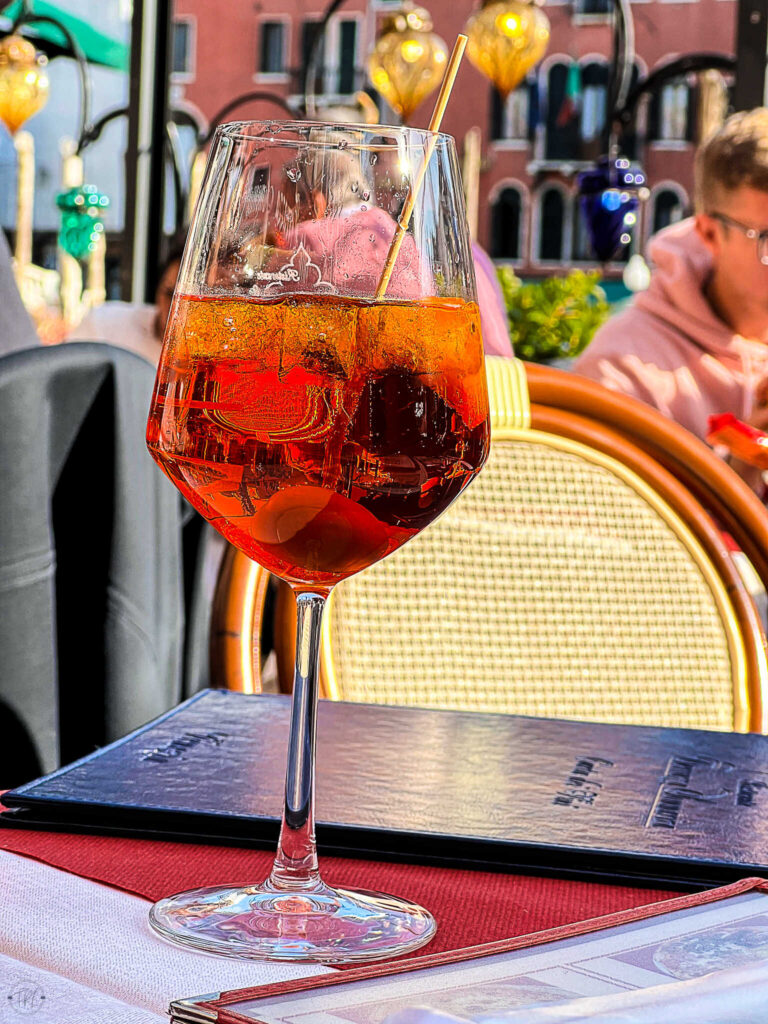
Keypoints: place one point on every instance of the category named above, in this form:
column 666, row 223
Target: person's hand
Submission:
column 752, row 475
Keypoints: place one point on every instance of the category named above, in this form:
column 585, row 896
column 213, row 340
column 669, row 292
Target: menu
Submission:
column 706, row 959
column 462, row 788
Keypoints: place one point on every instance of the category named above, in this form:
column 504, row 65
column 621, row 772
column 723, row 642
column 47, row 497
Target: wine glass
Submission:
column 319, row 414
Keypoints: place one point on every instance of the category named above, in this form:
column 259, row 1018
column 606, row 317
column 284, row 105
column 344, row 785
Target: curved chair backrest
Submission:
column 576, row 578
column 719, row 490
column 91, row 615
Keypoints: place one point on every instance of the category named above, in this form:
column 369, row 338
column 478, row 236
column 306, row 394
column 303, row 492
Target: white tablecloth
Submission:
column 74, row 951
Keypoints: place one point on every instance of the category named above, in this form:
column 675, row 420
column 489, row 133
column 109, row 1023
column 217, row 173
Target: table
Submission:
column 73, row 951
column 470, row 906
column 59, row 871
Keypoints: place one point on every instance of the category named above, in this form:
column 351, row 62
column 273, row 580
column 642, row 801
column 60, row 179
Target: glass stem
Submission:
column 295, row 866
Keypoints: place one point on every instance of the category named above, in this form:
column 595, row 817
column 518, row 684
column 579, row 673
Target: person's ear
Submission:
column 707, row 230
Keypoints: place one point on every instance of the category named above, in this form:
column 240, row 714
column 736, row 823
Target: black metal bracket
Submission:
column 246, row 97
column 666, row 72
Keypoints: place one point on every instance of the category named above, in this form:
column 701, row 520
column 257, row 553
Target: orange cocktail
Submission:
column 319, row 434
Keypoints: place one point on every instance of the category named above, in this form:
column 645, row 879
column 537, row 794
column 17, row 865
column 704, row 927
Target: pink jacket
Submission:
column 494, row 322
column 670, row 349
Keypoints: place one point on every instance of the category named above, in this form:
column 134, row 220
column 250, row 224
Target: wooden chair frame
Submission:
column 236, row 618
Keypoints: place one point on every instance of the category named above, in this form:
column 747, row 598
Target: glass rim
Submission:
column 235, row 129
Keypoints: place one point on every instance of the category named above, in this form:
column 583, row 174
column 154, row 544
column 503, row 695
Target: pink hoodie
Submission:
column 670, row 349
column 494, row 322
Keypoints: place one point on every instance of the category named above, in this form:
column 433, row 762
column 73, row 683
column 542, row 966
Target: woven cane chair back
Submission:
column 566, row 582
column 555, row 394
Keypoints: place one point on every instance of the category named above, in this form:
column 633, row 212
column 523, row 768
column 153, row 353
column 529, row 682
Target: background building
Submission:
column 532, row 146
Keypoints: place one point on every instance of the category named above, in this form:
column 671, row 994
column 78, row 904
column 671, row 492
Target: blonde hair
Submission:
column 735, row 155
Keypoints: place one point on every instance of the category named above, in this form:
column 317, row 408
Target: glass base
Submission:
column 325, row 925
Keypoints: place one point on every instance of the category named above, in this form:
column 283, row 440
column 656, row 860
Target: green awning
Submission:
column 98, row 48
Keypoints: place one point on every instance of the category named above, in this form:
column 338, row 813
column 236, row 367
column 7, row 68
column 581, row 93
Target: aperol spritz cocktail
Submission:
column 318, row 425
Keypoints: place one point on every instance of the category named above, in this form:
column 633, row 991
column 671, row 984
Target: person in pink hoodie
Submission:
column 494, row 321
column 696, row 342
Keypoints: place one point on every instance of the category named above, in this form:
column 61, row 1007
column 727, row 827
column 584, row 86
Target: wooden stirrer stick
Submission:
column 434, row 128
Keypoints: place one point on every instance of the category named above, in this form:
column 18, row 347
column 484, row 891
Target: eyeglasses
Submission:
column 761, row 237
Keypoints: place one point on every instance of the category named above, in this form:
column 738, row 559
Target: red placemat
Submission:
column 471, row 907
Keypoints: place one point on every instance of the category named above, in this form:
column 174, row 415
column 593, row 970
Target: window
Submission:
column 592, row 7
column 670, row 113
column 335, row 68
column 514, row 119
column 347, row 51
column 674, row 111
column 668, row 208
column 551, row 223
column 594, row 100
column 637, row 124
column 582, row 246
column 272, row 48
column 309, row 30
column 506, row 221
column 562, row 120
column 181, row 48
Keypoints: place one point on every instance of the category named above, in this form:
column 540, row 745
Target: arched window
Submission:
column 668, row 208
column 511, row 119
column 563, row 129
column 670, row 113
column 506, row 221
column 551, row 224
column 582, row 247
column 594, row 100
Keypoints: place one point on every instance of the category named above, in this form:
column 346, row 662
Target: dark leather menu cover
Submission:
column 633, row 802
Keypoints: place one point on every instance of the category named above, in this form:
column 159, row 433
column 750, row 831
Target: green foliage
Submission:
column 555, row 317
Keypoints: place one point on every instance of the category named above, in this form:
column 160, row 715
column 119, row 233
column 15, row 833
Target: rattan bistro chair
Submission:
column 580, row 576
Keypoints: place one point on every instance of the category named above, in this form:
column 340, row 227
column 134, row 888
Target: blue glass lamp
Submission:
column 610, row 195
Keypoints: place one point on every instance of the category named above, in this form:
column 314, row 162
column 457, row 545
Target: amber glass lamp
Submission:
column 408, row 60
column 505, row 39
column 23, row 81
